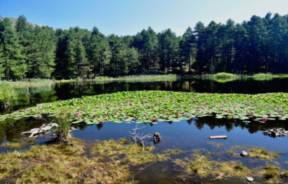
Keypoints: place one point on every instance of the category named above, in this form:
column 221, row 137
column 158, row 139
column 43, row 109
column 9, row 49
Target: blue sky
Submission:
column 130, row 16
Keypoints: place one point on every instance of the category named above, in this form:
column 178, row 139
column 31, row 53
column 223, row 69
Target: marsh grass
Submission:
column 201, row 165
column 204, row 166
column 253, row 152
column 271, row 174
column 64, row 126
column 29, row 83
column 141, row 78
column 221, row 77
column 59, row 164
column 268, row 76
column 19, row 93
column 109, row 162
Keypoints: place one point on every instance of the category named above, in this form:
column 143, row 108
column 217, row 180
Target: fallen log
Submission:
column 218, row 137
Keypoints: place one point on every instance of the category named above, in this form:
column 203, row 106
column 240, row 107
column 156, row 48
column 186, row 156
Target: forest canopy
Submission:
column 259, row 45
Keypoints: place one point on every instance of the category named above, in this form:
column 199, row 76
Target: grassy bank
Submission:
column 218, row 77
column 147, row 106
column 268, row 76
column 229, row 77
column 132, row 78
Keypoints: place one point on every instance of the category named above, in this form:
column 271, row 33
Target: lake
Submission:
column 63, row 91
column 186, row 135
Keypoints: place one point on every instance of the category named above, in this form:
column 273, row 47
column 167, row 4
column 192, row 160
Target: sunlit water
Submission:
column 187, row 136
column 32, row 96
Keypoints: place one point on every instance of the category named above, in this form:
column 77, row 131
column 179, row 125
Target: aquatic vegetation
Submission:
column 271, row 174
column 59, row 164
column 253, row 152
column 12, row 145
column 221, row 77
column 262, row 154
column 268, row 76
column 28, row 83
column 7, row 93
column 109, row 162
column 201, row 165
column 64, row 126
column 131, row 154
column 139, row 78
column 13, row 94
column 205, row 167
column 147, row 106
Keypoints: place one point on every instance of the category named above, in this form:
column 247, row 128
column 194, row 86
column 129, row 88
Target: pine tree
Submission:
column 146, row 43
column 188, row 49
column 12, row 63
column 168, row 50
column 81, row 61
column 99, row 53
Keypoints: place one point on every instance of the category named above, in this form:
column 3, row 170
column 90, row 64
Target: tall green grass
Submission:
column 268, row 76
column 221, row 77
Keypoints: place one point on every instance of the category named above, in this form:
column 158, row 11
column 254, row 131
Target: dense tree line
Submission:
column 31, row 51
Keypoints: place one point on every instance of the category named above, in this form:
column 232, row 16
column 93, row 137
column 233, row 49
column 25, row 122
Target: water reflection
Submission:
column 11, row 130
column 32, row 96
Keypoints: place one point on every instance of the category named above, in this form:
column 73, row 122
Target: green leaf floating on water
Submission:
column 147, row 106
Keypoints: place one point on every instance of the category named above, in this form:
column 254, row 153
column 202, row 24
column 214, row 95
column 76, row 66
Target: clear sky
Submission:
column 130, row 16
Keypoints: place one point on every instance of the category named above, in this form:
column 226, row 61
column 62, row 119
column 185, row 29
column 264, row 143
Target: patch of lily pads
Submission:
column 152, row 106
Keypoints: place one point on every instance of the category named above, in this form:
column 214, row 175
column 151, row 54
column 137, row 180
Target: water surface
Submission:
column 31, row 96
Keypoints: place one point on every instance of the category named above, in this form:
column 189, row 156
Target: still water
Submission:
column 32, row 96
column 185, row 135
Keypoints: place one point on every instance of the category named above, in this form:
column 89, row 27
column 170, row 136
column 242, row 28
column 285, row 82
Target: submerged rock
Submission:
column 244, row 153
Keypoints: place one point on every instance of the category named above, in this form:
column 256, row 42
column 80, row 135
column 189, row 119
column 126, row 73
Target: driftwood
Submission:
column 137, row 137
column 44, row 129
column 218, row 137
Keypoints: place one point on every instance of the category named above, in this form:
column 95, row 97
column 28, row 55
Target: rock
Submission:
column 244, row 153
column 250, row 179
